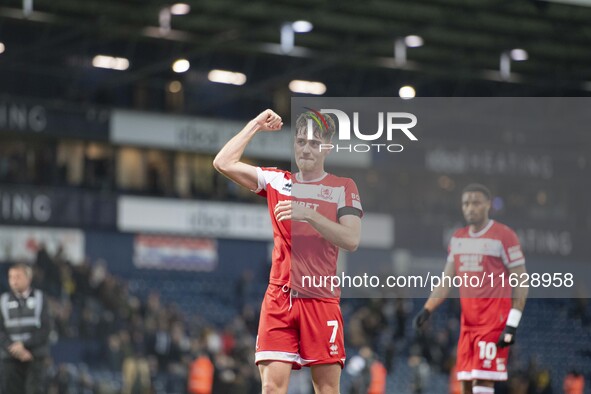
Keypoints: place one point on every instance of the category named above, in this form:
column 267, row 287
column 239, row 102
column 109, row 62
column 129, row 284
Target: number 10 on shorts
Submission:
column 335, row 326
column 488, row 350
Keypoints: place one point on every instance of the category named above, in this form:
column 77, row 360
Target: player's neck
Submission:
column 476, row 228
column 310, row 176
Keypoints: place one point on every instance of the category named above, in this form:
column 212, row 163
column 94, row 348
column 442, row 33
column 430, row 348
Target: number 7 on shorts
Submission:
column 335, row 327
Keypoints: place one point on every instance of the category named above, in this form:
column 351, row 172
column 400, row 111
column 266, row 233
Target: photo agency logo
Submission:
column 389, row 122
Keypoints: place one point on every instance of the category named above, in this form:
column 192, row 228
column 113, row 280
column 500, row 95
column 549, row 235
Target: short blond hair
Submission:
column 323, row 125
column 26, row 268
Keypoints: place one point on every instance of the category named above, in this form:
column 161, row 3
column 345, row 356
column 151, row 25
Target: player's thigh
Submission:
column 278, row 338
column 322, row 339
column 326, row 378
column 489, row 361
column 467, row 387
column 274, row 376
column 464, row 357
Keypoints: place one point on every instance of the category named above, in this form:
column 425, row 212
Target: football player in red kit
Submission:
column 313, row 214
column 490, row 312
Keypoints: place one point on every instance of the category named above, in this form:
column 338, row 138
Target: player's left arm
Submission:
column 515, row 263
column 345, row 233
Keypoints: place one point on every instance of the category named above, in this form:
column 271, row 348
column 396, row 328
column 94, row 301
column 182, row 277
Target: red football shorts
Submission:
column 478, row 355
column 302, row 331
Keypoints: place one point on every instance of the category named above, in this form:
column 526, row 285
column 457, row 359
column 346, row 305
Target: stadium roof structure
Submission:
column 49, row 46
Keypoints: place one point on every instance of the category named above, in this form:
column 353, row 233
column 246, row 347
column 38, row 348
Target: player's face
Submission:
column 308, row 153
column 475, row 207
column 18, row 280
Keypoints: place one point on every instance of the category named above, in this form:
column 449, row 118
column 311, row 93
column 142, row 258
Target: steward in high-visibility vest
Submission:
column 201, row 376
column 24, row 333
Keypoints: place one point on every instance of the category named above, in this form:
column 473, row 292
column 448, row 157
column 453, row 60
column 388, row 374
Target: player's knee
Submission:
column 326, row 378
column 466, row 387
column 483, row 387
column 484, row 383
column 326, row 386
column 273, row 387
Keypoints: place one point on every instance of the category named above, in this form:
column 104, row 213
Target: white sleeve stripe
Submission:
column 515, row 255
column 261, row 183
column 357, row 204
column 516, row 263
column 504, row 256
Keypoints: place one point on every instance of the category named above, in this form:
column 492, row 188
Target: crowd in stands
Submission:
column 148, row 345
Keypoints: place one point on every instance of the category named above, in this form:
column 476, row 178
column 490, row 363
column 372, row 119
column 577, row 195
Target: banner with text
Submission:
column 203, row 135
column 223, row 220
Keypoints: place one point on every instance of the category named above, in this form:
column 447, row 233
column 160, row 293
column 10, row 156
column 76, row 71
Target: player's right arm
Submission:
column 227, row 161
column 438, row 295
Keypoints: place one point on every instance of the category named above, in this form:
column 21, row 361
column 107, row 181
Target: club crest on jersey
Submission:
column 325, row 193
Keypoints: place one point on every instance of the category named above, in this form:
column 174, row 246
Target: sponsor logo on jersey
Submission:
column 334, row 349
column 287, row 187
column 310, row 205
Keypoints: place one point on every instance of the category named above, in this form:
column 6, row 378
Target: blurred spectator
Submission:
column 250, row 319
column 225, row 375
column 50, row 270
column 161, row 344
column 401, row 317
column 518, row 384
column 541, row 383
column 114, row 353
column 367, row 323
column 420, row 370
column 574, row 383
column 213, row 341
column 455, row 386
column 367, row 372
column 358, row 368
column 136, row 376
column 378, row 375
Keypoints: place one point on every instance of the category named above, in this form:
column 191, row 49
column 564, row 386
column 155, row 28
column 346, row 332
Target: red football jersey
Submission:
column 299, row 249
column 493, row 250
column 312, row 255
